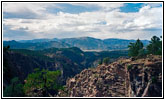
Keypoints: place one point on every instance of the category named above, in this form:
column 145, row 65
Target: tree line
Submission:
column 137, row 49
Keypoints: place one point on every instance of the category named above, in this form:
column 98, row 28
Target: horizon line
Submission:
column 72, row 38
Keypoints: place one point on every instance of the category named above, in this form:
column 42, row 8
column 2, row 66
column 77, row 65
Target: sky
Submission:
column 26, row 21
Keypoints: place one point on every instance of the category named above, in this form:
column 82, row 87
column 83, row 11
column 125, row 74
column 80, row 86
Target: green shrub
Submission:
column 153, row 79
column 100, row 62
column 106, row 60
column 44, row 79
column 129, row 67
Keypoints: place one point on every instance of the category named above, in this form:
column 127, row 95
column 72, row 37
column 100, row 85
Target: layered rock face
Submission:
column 123, row 78
column 145, row 77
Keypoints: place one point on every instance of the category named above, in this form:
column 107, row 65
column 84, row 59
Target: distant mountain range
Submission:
column 84, row 43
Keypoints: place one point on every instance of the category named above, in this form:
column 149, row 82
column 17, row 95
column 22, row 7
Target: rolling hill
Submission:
column 84, row 43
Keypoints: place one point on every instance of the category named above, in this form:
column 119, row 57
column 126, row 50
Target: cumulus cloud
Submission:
column 102, row 5
column 28, row 10
column 108, row 22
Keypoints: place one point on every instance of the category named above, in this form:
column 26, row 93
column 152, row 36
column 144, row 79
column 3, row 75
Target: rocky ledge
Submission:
column 123, row 78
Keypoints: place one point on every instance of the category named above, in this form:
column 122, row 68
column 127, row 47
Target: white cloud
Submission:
column 102, row 5
column 107, row 7
column 37, row 10
column 106, row 23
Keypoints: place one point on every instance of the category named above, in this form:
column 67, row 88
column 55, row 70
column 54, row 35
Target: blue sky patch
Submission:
column 131, row 7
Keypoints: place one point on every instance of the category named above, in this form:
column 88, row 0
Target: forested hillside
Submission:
column 69, row 61
column 45, row 72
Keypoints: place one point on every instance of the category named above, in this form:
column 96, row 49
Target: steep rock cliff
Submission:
column 123, row 78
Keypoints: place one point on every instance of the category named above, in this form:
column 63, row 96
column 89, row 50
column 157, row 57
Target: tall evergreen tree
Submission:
column 134, row 48
column 155, row 46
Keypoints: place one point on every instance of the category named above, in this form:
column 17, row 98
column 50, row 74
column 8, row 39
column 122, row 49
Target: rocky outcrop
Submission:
column 123, row 78
column 145, row 77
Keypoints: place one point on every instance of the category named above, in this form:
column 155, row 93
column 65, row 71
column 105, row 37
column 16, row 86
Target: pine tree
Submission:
column 134, row 48
column 155, row 46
